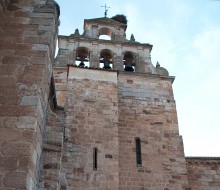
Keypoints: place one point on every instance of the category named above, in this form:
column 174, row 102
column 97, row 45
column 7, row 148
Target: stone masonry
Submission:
column 28, row 32
column 52, row 150
column 203, row 173
column 147, row 110
column 91, row 122
column 100, row 116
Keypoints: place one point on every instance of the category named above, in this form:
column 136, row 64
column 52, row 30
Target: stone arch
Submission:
column 82, row 57
column 129, row 59
column 106, row 59
column 106, row 32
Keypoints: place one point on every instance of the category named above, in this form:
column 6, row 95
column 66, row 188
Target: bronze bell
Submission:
column 106, row 64
column 128, row 66
column 82, row 64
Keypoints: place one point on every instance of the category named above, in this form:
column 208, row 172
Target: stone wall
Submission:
column 3, row 7
column 60, row 81
column 91, row 122
column 91, row 143
column 52, row 151
column 147, row 111
column 68, row 47
column 28, row 31
column 108, row 110
column 203, row 173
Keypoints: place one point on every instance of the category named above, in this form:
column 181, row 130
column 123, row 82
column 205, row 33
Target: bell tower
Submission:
column 121, row 124
column 118, row 53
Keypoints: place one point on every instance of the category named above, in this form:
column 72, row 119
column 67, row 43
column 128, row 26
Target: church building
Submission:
column 98, row 116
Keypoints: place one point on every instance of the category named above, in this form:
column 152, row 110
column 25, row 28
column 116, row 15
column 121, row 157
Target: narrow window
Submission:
column 95, row 156
column 138, row 152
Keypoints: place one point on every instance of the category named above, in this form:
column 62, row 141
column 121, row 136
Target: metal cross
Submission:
column 106, row 10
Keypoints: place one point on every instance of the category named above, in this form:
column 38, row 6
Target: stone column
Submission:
column 139, row 67
column 94, row 31
column 118, row 59
column 118, row 62
column 72, row 54
column 94, row 56
column 138, row 63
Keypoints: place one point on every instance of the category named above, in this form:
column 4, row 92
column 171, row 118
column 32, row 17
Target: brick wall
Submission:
column 91, row 122
column 27, row 39
column 203, row 173
column 147, row 111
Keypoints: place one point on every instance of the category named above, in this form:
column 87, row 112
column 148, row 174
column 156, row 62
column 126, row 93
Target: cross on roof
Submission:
column 106, row 10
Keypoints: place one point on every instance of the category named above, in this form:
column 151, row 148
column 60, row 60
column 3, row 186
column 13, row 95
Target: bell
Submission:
column 106, row 65
column 82, row 64
column 128, row 67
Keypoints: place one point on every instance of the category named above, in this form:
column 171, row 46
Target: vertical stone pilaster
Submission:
column 118, row 62
column 139, row 62
column 73, row 56
column 94, row 31
column 27, row 45
column 94, row 59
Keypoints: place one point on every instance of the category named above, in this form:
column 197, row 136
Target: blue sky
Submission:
column 185, row 35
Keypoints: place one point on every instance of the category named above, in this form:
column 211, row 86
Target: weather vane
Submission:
column 106, row 10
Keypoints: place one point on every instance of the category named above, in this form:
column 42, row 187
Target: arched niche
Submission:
column 105, row 33
column 129, row 61
column 105, row 61
column 82, row 57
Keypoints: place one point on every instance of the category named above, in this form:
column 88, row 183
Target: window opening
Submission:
column 138, row 152
column 105, row 33
column 95, row 157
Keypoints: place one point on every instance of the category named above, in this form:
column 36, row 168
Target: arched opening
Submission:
column 129, row 61
column 82, row 57
column 105, row 61
column 105, row 33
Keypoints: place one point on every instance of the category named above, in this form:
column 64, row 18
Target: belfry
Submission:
column 118, row 53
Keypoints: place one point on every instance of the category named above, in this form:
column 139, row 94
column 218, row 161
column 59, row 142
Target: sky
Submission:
column 185, row 35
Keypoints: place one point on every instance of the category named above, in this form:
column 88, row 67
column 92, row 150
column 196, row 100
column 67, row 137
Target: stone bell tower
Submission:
column 121, row 124
column 118, row 51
